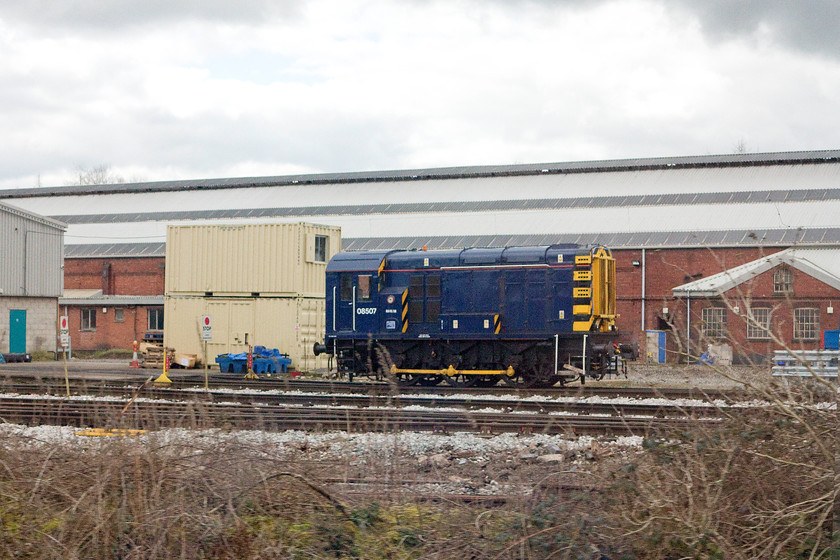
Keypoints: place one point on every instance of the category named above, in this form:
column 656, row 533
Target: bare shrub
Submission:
column 761, row 484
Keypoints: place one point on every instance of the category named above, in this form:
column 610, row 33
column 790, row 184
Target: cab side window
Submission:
column 363, row 292
column 346, row 287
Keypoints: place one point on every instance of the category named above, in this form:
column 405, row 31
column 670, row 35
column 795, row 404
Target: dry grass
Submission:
column 761, row 484
column 134, row 499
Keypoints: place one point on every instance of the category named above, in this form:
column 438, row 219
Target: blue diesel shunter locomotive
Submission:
column 529, row 315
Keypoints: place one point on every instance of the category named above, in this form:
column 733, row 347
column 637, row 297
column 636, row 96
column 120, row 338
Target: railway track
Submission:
column 227, row 381
column 468, row 402
column 157, row 414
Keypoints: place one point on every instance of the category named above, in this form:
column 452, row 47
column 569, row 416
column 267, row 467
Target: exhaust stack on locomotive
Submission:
column 532, row 315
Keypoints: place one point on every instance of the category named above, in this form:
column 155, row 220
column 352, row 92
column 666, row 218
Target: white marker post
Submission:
column 64, row 331
column 206, row 334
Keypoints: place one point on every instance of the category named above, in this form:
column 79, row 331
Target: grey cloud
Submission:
column 812, row 26
column 108, row 16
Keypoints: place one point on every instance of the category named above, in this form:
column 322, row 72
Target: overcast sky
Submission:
column 168, row 89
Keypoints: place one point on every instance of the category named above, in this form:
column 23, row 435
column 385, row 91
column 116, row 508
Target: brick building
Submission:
column 783, row 300
column 111, row 301
column 669, row 221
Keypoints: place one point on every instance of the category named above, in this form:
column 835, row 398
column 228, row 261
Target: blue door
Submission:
column 17, row 328
column 656, row 346
column 831, row 340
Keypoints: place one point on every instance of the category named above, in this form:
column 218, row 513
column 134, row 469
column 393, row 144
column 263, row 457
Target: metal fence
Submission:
column 806, row 363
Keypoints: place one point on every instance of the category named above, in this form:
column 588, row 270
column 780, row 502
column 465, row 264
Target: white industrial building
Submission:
column 745, row 200
column 661, row 216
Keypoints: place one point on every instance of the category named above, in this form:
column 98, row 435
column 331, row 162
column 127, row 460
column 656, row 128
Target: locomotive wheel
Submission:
column 425, row 380
column 459, row 380
column 535, row 378
column 487, row 380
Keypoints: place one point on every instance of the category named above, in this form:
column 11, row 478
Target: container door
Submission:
column 242, row 326
column 220, row 313
column 17, row 328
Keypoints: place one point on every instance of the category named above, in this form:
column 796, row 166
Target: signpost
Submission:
column 64, row 332
column 64, row 335
column 206, row 334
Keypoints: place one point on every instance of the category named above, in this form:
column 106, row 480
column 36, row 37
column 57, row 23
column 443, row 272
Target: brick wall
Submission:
column 124, row 276
column 665, row 269
column 109, row 333
column 142, row 276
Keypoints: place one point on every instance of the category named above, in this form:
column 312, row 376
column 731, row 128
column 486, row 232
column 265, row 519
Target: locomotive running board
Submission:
column 450, row 371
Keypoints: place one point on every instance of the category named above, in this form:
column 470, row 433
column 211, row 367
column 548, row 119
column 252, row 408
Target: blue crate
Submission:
column 279, row 364
column 227, row 365
column 271, row 365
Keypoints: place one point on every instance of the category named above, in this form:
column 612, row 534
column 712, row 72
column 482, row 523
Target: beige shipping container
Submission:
column 292, row 325
column 255, row 259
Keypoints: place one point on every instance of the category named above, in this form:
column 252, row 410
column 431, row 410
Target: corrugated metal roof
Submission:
column 678, row 186
column 822, row 264
column 75, row 294
column 801, row 195
column 601, row 166
column 790, row 220
column 114, row 250
column 614, row 240
column 32, row 216
column 111, row 301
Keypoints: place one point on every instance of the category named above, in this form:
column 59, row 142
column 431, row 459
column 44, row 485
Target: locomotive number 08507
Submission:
column 366, row 311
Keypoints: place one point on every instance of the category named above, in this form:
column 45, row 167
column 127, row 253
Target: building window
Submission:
column 119, row 315
column 806, row 323
column 321, row 248
column 714, row 322
column 758, row 323
column 155, row 315
column 88, row 319
column 783, row 281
